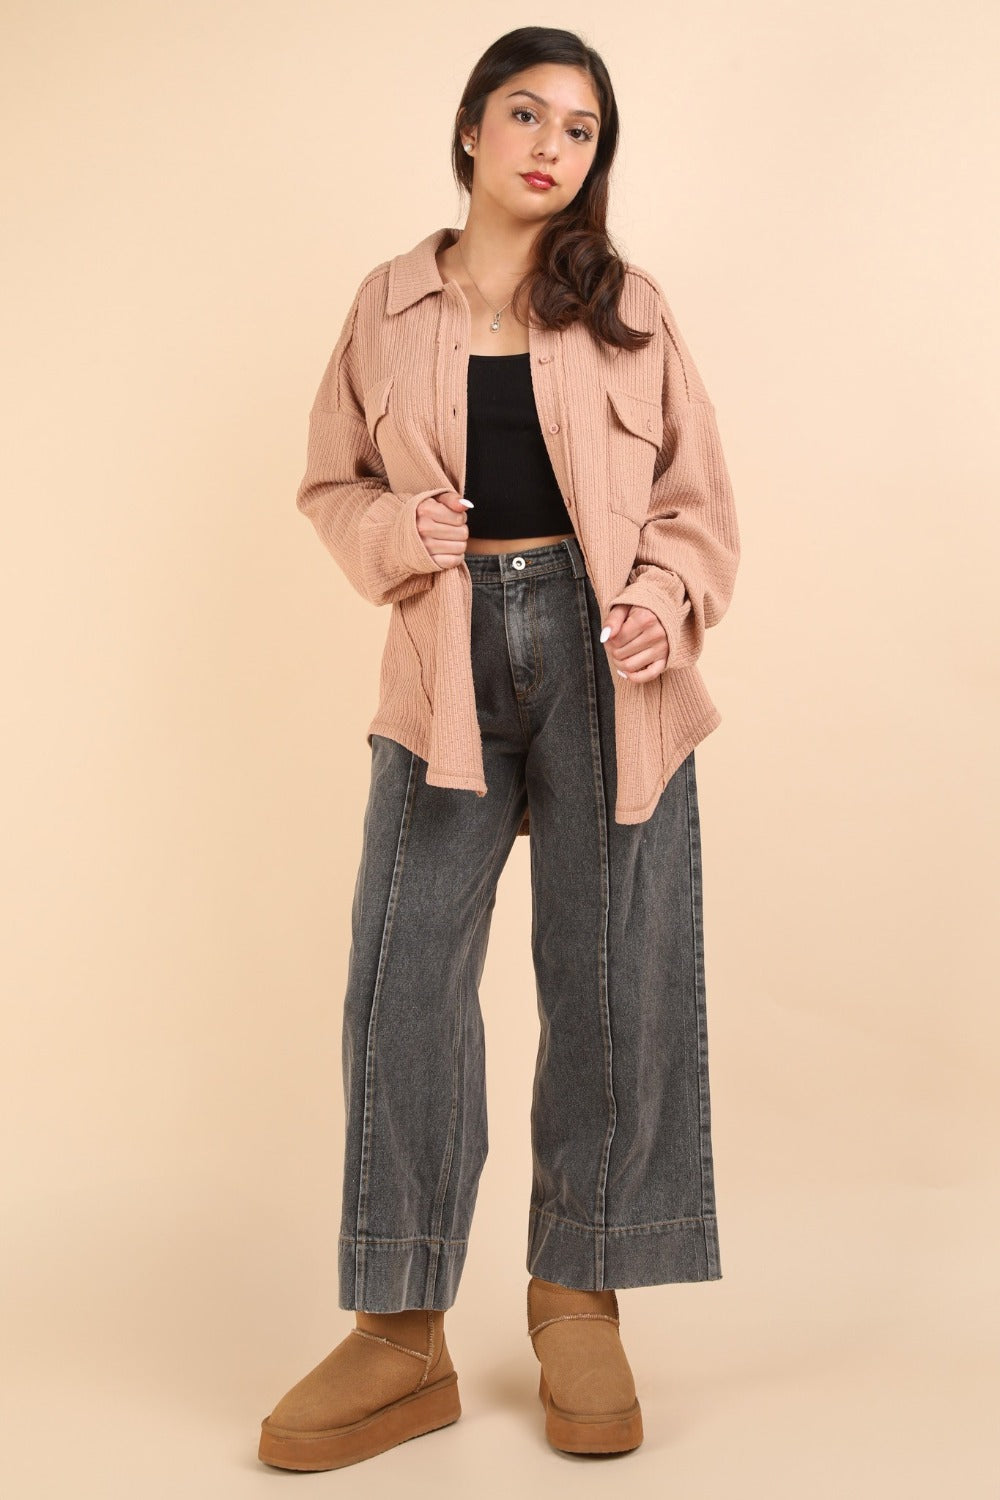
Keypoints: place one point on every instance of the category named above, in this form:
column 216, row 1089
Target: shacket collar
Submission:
column 414, row 273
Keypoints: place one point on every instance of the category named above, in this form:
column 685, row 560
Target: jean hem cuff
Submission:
column 387, row 1275
column 594, row 1258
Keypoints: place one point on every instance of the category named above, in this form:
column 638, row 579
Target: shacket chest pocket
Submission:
column 376, row 404
column 635, row 434
column 393, row 423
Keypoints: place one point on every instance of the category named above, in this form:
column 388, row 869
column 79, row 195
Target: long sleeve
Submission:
column 689, row 545
column 370, row 531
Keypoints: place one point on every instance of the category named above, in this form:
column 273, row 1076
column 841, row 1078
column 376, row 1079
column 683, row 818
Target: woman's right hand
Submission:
column 442, row 527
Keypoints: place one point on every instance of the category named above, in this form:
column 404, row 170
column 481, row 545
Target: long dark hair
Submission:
column 577, row 272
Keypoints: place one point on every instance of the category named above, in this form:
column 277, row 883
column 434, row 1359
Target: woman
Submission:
column 539, row 672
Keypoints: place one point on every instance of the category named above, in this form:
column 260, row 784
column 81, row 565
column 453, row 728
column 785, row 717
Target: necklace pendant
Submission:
column 495, row 325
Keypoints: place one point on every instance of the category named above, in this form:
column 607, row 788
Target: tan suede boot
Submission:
column 586, row 1384
column 390, row 1379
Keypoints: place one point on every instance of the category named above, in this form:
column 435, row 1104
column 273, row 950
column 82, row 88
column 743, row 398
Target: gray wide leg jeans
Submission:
column 622, row 1189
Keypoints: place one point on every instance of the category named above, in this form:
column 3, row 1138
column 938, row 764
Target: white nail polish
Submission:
column 467, row 503
column 621, row 673
column 605, row 632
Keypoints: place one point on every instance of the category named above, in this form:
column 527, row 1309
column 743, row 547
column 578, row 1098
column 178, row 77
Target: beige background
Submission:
column 191, row 193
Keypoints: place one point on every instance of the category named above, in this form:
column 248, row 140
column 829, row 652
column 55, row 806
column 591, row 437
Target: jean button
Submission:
column 517, row 562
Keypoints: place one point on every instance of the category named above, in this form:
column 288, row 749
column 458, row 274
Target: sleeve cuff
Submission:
column 409, row 551
column 643, row 592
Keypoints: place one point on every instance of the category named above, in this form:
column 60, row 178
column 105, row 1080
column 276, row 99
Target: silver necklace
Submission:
column 495, row 325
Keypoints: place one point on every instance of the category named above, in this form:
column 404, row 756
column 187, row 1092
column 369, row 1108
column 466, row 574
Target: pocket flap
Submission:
column 376, row 400
column 643, row 417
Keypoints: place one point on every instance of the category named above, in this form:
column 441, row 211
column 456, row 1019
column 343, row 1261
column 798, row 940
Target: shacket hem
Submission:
column 416, row 744
column 640, row 812
column 635, row 812
column 456, row 781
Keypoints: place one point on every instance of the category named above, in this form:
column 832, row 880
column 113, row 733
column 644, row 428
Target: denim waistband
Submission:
column 531, row 562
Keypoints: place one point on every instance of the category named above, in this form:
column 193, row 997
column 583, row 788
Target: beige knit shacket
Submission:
column 635, row 449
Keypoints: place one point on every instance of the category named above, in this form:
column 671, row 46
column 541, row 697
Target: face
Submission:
column 543, row 120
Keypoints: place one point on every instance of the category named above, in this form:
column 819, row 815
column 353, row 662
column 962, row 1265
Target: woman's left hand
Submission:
column 640, row 646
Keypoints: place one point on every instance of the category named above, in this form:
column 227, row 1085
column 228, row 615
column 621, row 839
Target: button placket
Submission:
column 455, row 311
column 547, row 391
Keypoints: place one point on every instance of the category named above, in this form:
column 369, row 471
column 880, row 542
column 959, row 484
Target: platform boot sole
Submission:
column 423, row 1411
column 571, row 1432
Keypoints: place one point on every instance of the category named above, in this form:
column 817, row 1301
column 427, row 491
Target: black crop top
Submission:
column 508, row 472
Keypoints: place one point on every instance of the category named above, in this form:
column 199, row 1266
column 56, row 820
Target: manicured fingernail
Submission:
column 467, row 503
column 605, row 632
column 621, row 673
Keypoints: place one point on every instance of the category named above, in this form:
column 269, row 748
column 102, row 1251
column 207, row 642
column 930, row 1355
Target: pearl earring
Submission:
column 468, row 147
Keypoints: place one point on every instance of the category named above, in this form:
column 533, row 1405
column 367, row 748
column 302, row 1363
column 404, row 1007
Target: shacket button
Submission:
column 553, row 426
column 543, row 359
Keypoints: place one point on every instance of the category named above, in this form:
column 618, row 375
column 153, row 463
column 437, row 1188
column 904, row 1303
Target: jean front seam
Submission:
column 366, row 1128
column 436, row 1239
column 697, row 941
column 600, row 796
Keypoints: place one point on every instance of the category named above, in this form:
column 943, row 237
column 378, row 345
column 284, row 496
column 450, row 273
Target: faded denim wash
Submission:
column 622, row 1188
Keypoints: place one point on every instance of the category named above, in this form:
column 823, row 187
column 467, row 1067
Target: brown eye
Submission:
column 522, row 109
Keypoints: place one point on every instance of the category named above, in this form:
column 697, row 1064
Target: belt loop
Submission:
column 576, row 556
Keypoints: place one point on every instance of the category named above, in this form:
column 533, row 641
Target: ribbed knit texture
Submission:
column 634, row 445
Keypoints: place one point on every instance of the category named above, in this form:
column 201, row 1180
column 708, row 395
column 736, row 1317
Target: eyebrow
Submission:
column 539, row 100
